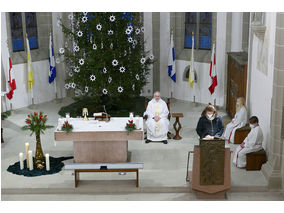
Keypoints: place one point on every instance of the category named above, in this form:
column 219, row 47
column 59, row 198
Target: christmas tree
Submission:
column 105, row 56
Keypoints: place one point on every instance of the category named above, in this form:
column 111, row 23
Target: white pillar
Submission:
column 237, row 32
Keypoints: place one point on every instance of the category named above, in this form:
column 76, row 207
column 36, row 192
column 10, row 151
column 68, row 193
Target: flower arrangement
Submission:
column 67, row 127
column 36, row 123
column 130, row 126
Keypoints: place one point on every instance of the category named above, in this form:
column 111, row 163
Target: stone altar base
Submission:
column 102, row 151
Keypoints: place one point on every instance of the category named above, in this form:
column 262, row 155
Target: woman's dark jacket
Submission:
column 207, row 127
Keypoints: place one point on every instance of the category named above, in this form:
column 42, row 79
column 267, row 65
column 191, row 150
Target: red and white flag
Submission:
column 212, row 74
column 11, row 81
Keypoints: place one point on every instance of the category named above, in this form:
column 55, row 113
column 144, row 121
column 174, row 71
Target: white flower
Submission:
column 76, row 48
column 76, row 69
column 130, row 40
column 61, row 50
column 70, row 73
column 142, row 29
column 128, row 31
column 104, row 91
column 80, row 33
column 109, row 79
column 94, row 46
column 70, row 16
column 134, row 41
column 151, row 57
column 102, row 45
column 120, row 89
column 143, row 60
column 137, row 77
column 130, row 28
column 137, row 31
column 99, row 27
column 111, row 45
column 86, row 88
column 112, row 18
column 114, row 62
column 73, row 85
column 77, row 92
column 57, row 61
column 133, row 87
column 122, row 69
column 66, row 86
column 84, row 19
column 110, row 32
column 85, row 13
column 92, row 77
column 81, row 61
column 125, row 52
column 105, row 70
column 66, row 44
column 70, row 85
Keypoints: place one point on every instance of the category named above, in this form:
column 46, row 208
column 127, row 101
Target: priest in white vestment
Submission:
column 238, row 121
column 252, row 143
column 157, row 119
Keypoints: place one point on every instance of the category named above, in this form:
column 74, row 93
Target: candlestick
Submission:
column 21, row 157
column 47, row 164
column 31, row 163
column 27, row 153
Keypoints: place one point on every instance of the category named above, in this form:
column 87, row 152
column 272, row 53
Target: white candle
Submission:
column 137, row 122
column 27, row 153
column 31, row 165
column 131, row 116
column 21, row 157
column 47, row 162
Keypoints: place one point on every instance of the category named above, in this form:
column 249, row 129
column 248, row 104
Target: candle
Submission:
column 137, row 122
column 31, row 164
column 131, row 116
column 27, row 153
column 21, row 157
column 47, row 162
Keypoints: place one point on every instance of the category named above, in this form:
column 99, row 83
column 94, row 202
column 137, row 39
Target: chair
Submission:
column 255, row 160
column 241, row 134
column 169, row 116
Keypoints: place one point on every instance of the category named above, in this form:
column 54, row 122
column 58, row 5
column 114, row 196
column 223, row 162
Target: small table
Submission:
column 177, row 123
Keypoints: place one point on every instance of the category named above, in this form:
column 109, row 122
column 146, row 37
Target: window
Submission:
column 31, row 30
column 201, row 25
column 17, row 32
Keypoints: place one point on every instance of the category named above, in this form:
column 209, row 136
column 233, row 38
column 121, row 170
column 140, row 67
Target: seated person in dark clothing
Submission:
column 209, row 124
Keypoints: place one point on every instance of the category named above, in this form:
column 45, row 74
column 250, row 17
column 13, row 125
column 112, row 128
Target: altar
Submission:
column 99, row 141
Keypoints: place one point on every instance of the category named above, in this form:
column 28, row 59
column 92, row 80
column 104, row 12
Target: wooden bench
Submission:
column 104, row 167
column 255, row 160
column 241, row 134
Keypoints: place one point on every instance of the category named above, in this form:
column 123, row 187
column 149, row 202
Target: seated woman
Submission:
column 209, row 124
column 252, row 143
column 238, row 121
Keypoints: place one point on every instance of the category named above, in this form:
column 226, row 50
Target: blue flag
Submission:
column 52, row 68
column 171, row 61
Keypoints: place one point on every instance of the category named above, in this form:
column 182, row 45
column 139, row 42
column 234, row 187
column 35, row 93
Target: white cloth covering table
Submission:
column 99, row 141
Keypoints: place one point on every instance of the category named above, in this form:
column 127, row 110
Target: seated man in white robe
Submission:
column 238, row 121
column 157, row 119
column 252, row 143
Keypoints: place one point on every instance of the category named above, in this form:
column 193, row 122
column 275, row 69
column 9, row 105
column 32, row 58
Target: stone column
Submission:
column 272, row 169
column 156, row 50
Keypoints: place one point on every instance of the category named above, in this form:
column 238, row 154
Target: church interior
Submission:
column 182, row 52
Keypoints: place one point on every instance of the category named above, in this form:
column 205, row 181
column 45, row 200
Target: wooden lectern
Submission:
column 211, row 174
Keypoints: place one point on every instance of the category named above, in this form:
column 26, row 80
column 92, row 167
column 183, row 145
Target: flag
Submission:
column 30, row 68
column 212, row 72
column 171, row 61
column 11, row 81
column 52, row 68
column 191, row 71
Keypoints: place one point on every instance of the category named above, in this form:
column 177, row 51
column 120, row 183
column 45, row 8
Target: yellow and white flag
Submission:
column 191, row 72
column 30, row 68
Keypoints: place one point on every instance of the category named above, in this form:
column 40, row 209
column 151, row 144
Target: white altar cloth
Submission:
column 115, row 124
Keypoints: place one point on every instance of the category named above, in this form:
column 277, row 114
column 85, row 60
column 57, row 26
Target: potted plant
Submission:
column 36, row 123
